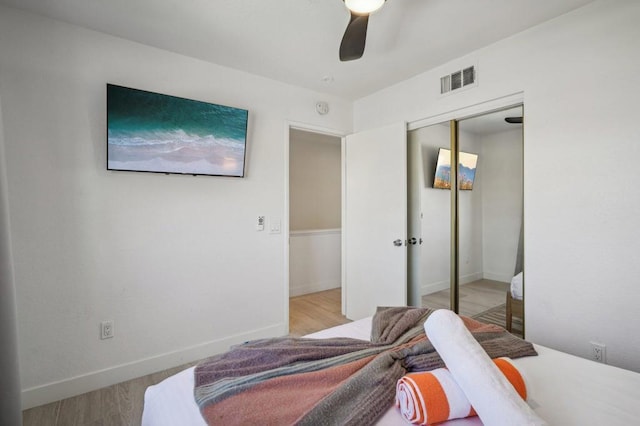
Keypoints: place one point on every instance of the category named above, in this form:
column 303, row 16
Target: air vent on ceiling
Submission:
column 458, row 80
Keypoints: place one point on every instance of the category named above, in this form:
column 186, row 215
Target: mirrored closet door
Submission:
column 429, row 224
column 467, row 254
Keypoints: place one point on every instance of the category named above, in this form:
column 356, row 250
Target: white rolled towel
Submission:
column 489, row 392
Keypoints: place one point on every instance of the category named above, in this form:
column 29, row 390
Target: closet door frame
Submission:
column 453, row 117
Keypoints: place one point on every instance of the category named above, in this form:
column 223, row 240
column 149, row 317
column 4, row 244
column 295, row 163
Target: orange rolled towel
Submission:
column 433, row 396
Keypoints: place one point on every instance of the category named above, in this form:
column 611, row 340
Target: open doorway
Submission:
column 315, row 211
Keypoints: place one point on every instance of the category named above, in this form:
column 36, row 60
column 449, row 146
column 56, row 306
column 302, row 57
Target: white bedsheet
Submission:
column 563, row 390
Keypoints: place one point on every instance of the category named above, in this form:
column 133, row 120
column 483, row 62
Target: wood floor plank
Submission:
column 475, row 297
column 113, row 420
column 44, row 415
column 76, row 411
column 110, row 408
column 314, row 312
column 131, row 399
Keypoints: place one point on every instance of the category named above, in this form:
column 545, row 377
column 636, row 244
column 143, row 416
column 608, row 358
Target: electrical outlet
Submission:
column 599, row 352
column 106, row 329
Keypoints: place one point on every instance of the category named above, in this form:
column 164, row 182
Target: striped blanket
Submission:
column 339, row 381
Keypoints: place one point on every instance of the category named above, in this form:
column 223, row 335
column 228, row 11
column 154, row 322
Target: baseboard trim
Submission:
column 434, row 287
column 444, row 285
column 505, row 278
column 313, row 288
column 55, row 391
column 469, row 278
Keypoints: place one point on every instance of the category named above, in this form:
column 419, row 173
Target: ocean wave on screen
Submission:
column 173, row 137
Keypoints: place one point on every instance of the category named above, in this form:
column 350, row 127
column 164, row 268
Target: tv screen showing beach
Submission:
column 151, row 132
column 467, row 164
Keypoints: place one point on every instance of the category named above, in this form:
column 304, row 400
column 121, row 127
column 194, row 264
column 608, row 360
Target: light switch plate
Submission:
column 274, row 226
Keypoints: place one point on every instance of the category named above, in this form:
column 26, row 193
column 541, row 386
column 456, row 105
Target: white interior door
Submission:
column 375, row 220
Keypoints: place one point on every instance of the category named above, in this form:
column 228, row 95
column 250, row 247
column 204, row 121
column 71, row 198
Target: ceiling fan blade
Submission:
column 513, row 120
column 355, row 36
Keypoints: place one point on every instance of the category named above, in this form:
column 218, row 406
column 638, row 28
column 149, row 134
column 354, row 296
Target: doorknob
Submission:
column 413, row 241
column 397, row 243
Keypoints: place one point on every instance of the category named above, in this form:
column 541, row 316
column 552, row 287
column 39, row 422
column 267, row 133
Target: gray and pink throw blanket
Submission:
column 339, row 381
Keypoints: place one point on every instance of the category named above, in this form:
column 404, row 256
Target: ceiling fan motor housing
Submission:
column 363, row 7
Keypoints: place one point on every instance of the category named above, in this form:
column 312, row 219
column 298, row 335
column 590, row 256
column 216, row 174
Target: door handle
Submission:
column 397, row 243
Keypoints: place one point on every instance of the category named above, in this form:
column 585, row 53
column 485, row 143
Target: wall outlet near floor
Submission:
column 106, row 329
column 599, row 352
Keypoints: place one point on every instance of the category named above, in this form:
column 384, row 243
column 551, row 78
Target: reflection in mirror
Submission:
column 429, row 217
column 489, row 220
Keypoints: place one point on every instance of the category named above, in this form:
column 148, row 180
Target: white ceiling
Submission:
column 296, row 41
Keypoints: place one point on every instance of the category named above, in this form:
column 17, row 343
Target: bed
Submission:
column 563, row 390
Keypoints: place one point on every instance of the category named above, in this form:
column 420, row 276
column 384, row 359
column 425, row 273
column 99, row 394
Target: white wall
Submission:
column 580, row 167
column 500, row 166
column 10, row 404
column 470, row 218
column 174, row 261
column 315, row 261
column 314, row 181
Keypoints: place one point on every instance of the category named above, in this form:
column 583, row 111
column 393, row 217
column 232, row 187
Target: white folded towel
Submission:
column 489, row 392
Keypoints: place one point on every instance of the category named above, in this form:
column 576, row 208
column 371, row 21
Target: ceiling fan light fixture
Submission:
column 363, row 7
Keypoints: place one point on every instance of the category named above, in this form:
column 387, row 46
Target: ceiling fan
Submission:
column 355, row 36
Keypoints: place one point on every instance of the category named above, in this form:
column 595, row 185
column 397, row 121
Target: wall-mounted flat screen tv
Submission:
column 466, row 170
column 151, row 132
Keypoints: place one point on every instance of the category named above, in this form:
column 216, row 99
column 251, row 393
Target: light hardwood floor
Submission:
column 475, row 297
column 315, row 312
column 115, row 405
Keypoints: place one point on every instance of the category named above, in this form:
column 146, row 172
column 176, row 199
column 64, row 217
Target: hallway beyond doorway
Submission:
column 316, row 311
